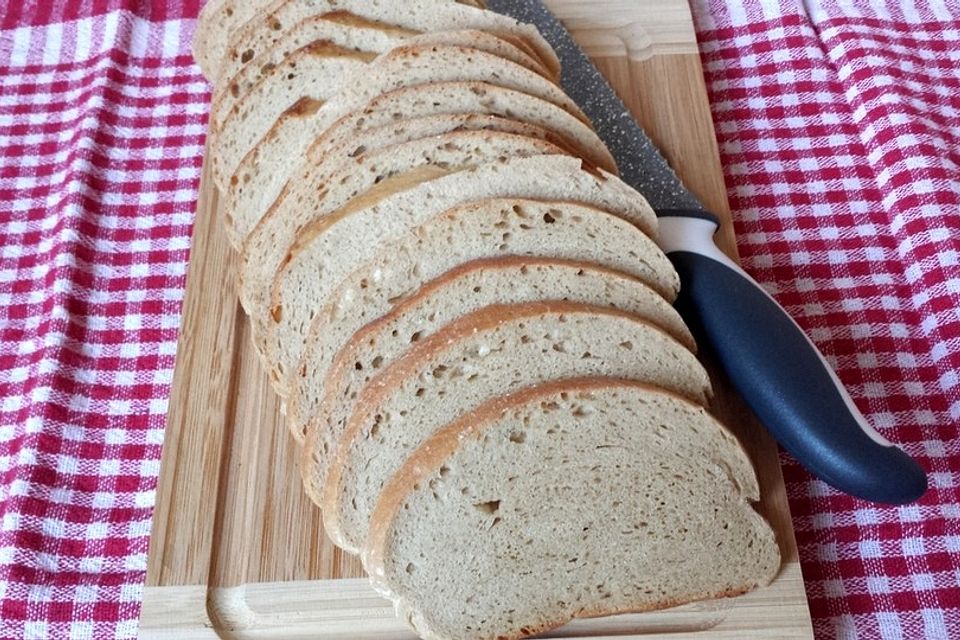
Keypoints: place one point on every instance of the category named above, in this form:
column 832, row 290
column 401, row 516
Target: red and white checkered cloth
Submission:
column 102, row 122
column 839, row 126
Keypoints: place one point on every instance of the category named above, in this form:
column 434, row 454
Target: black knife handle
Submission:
column 780, row 373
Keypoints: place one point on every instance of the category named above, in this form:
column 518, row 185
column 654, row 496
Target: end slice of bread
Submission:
column 575, row 499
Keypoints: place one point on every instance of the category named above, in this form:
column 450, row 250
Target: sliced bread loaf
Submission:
column 273, row 23
column 264, row 171
column 359, row 183
column 574, row 499
column 297, row 74
column 407, row 65
column 331, row 248
column 466, row 289
column 494, row 351
column 489, row 229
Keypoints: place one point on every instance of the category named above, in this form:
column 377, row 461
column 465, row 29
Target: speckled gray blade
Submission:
column 641, row 164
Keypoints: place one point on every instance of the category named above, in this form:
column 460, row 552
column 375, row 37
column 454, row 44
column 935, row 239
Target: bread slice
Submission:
column 314, row 71
column 264, row 171
column 210, row 18
column 217, row 20
column 317, row 65
column 306, row 34
column 316, row 190
column 466, row 289
column 361, row 183
column 494, row 351
column 488, row 230
column 408, row 65
column 574, row 499
column 328, row 250
column 272, row 25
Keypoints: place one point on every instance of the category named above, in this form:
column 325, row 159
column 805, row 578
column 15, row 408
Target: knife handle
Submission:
column 778, row 370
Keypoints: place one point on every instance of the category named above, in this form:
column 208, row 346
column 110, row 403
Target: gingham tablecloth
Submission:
column 839, row 127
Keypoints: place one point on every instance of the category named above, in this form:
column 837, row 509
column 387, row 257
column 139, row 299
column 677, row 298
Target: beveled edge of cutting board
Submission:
column 334, row 610
column 187, row 547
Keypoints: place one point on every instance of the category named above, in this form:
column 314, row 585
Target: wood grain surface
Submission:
column 238, row 551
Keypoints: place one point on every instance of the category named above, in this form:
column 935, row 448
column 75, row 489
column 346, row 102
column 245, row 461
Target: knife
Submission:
column 771, row 362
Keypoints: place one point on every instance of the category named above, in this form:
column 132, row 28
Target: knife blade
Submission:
column 769, row 359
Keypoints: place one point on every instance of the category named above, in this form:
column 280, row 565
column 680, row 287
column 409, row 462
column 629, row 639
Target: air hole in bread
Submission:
column 518, row 437
column 549, row 219
column 416, row 337
column 489, row 508
column 247, row 56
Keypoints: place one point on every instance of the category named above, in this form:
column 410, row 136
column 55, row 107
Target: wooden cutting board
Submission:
column 238, row 551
